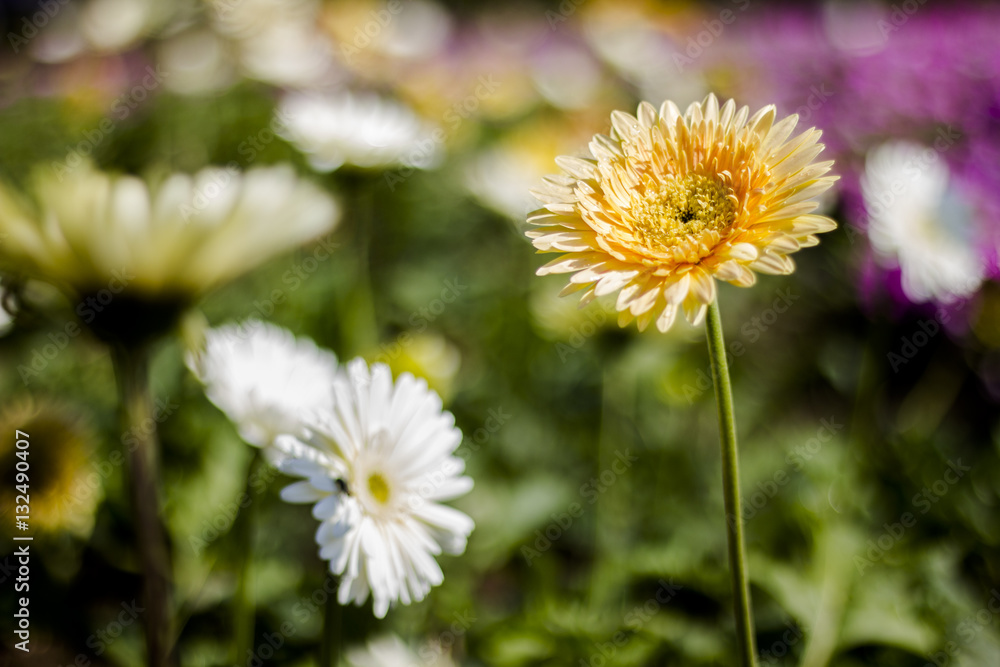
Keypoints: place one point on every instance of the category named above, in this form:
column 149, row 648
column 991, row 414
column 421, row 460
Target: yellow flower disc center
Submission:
column 378, row 487
column 679, row 208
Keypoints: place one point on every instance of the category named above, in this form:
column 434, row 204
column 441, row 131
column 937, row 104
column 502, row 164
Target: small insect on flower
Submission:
column 671, row 202
column 379, row 463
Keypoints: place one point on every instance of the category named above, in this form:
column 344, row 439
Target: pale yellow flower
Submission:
column 671, row 202
column 135, row 255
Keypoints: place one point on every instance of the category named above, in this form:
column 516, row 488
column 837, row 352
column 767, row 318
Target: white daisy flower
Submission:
column 378, row 465
column 266, row 380
column 362, row 129
column 918, row 222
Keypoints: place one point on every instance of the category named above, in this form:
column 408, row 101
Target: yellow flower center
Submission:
column 681, row 208
column 379, row 488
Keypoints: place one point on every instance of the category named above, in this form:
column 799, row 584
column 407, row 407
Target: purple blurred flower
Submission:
column 867, row 75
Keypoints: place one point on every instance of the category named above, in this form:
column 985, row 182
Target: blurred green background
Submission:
column 870, row 481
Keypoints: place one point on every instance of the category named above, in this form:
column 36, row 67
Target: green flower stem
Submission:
column 329, row 649
column 360, row 329
column 246, row 610
column 731, row 487
column 132, row 373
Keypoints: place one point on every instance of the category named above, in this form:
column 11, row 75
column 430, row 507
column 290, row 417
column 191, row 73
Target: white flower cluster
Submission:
column 376, row 456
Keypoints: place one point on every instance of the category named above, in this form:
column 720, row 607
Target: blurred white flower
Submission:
column 265, row 379
column 102, row 26
column 410, row 30
column 198, row 60
column 391, row 651
column 362, row 129
column 502, row 180
column 502, row 175
column 62, row 39
column 116, row 239
column 6, row 317
column 629, row 39
column 421, row 29
column 112, row 25
column 920, row 223
column 277, row 41
column 377, row 465
column 85, row 227
column 566, row 75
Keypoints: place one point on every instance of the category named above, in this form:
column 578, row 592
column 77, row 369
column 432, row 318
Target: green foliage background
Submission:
column 566, row 565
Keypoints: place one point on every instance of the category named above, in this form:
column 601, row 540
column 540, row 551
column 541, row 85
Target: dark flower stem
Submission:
column 731, row 487
column 132, row 373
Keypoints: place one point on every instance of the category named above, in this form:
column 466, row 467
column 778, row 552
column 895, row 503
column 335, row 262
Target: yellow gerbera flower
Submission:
column 672, row 201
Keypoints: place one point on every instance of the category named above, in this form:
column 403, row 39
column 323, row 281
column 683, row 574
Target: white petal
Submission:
column 301, row 492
